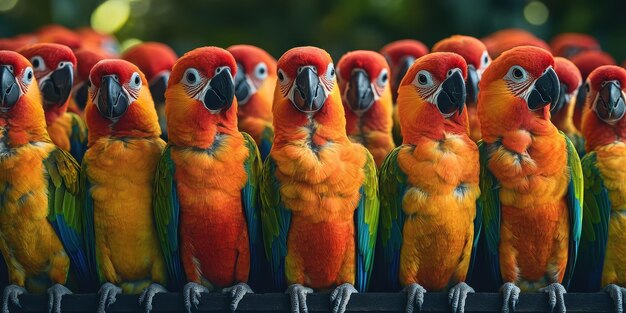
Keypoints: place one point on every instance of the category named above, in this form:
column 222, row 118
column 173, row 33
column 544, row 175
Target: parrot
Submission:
column 508, row 38
column 531, row 181
column 155, row 59
column 429, row 187
column 254, row 88
column 85, row 59
column 207, row 206
column 100, row 43
column 363, row 78
column 400, row 55
column 55, row 33
column 587, row 62
column 601, row 256
column 563, row 112
column 41, row 229
column 319, row 190
column 477, row 57
column 54, row 66
column 17, row 42
column 568, row 45
column 117, row 176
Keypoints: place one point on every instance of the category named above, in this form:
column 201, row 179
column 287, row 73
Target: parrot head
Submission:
column 475, row 54
column 58, row 34
column 432, row 95
column 569, row 44
column 119, row 102
column 155, row 60
column 603, row 119
column 18, row 42
column 569, row 79
column 20, row 103
column 100, row 43
column 86, row 60
column 363, row 80
column 54, row 66
column 509, row 38
column 516, row 92
column 400, row 55
column 200, row 97
column 256, row 74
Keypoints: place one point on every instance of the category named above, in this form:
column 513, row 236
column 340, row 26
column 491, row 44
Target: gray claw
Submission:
column 108, row 293
column 341, row 296
column 555, row 296
column 145, row 299
column 618, row 294
column 192, row 293
column 55, row 294
column 414, row 297
column 236, row 294
column 457, row 296
column 298, row 294
column 510, row 297
column 11, row 294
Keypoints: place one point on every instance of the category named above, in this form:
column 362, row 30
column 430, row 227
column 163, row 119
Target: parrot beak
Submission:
column 403, row 67
column 157, row 87
column 563, row 99
column 56, row 89
column 9, row 88
column 451, row 98
column 112, row 100
column 546, row 91
column 581, row 96
column 221, row 91
column 80, row 95
column 471, row 85
column 360, row 94
column 243, row 90
column 308, row 96
column 610, row 105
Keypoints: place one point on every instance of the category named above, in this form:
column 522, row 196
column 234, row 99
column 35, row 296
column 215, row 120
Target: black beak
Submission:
column 9, row 88
column 112, row 100
column 56, row 90
column 80, row 96
column 309, row 95
column 545, row 91
column 360, row 94
column 403, row 67
column 610, row 105
column 451, row 98
column 243, row 92
column 221, row 92
column 158, row 86
column 581, row 97
column 471, row 85
column 563, row 99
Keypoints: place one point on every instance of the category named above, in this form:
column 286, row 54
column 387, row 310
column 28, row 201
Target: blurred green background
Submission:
column 338, row 26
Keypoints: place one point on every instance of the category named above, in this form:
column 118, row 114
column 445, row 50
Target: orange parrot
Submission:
column 54, row 66
column 477, row 57
column 312, row 241
column 506, row 39
column 18, row 42
column 85, row 59
column 400, row 55
column 563, row 112
column 568, row 45
column 155, row 59
column 58, row 34
column 254, row 87
column 100, row 43
column 364, row 85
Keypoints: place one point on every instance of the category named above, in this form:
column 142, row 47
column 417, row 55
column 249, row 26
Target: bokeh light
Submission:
column 110, row 16
column 6, row 5
column 536, row 13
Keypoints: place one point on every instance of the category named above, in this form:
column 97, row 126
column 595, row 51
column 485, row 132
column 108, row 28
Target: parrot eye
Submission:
column 135, row 81
column 191, row 77
column 260, row 71
column 330, row 72
column 63, row 64
column 383, row 78
column 484, row 60
column 424, row 78
column 28, row 76
column 38, row 63
column 517, row 74
column 282, row 77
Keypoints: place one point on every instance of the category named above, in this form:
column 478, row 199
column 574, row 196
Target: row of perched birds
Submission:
column 404, row 170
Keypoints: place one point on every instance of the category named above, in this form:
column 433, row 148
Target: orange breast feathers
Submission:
column 60, row 132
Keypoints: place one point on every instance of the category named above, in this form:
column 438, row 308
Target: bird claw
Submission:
column 192, row 293
column 298, row 294
column 414, row 297
column 457, row 296
column 145, row 299
column 11, row 294
column 108, row 293
column 510, row 297
column 236, row 293
column 618, row 294
column 55, row 295
column 341, row 296
column 555, row 296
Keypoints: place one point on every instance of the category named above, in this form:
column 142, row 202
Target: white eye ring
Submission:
column 330, row 71
column 484, row 59
column 383, row 78
column 282, row 77
column 62, row 64
column 135, row 81
column 260, row 71
column 424, row 78
column 38, row 63
column 517, row 74
column 28, row 76
column 191, row 77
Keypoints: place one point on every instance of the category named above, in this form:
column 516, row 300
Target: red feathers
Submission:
column 569, row 44
column 396, row 50
column 568, row 73
column 249, row 56
column 51, row 53
column 438, row 64
column 590, row 60
column 470, row 48
column 151, row 57
column 535, row 60
column 86, row 60
column 197, row 59
column 372, row 62
column 123, row 69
